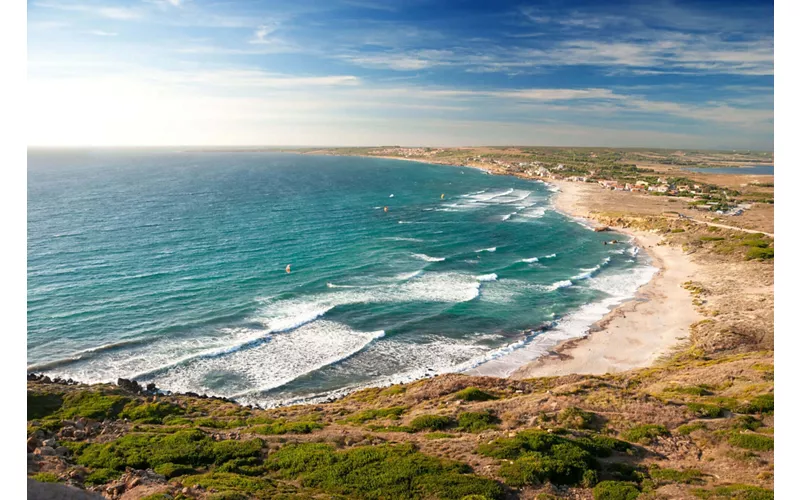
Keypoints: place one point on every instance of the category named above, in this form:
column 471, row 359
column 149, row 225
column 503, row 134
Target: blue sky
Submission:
column 416, row 72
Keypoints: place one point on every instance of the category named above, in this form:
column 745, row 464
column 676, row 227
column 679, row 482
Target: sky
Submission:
column 653, row 73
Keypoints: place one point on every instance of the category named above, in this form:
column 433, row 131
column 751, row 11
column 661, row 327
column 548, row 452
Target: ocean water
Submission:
column 170, row 267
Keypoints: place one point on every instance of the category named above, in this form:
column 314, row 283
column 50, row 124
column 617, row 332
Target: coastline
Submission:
column 633, row 334
column 637, row 332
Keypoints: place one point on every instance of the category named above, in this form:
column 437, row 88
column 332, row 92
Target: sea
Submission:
column 277, row 278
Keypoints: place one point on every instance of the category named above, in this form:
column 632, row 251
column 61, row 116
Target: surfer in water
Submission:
column 385, row 209
column 289, row 268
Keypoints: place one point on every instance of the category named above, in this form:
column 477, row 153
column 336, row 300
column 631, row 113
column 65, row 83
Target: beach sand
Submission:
column 638, row 332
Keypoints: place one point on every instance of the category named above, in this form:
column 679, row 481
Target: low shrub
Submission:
column 226, row 483
column 284, row 427
column 615, row 490
column 477, row 421
column 384, row 471
column 692, row 390
column 186, row 447
column 736, row 492
column 687, row 429
column 704, row 410
column 764, row 403
column 685, row 476
column 431, row 422
column 102, row 476
column 439, row 435
column 746, row 422
column 760, row 253
column 150, row 413
column 392, row 413
column 170, row 470
column 755, row 442
column 45, row 477
column 474, row 394
column 644, row 434
column 575, row 418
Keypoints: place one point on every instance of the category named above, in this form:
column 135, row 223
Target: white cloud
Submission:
column 111, row 12
column 102, row 33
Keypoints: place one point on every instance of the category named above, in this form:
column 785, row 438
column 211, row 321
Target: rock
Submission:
column 50, row 442
column 129, row 385
column 151, row 387
column 33, row 443
column 62, row 451
column 45, row 451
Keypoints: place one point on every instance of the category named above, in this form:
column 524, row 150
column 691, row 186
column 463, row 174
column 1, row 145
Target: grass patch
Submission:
column 102, row 476
column 439, row 435
column 703, row 410
column 615, row 490
column 392, row 413
column 685, row 476
column 150, row 413
column 760, row 254
column 712, row 238
column 477, row 421
column 644, row 434
column 185, row 447
column 692, row 390
column 687, row 429
column 533, row 457
column 764, row 403
column 283, row 427
column 431, row 423
column 755, row 442
column 384, row 471
column 474, row 394
column 232, row 484
column 170, row 470
column 45, row 477
column 736, row 492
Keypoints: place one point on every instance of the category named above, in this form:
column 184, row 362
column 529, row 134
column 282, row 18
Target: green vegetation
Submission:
column 533, row 457
column 439, row 435
column 150, row 413
column 474, row 394
column 685, row 476
column 477, row 421
column 170, row 470
column 760, row 253
column 185, row 447
column 575, row 418
column 764, row 403
column 692, row 390
column 45, row 477
column 392, row 413
column 644, row 434
column 755, row 442
column 227, row 483
column 735, row 492
column 102, row 476
column 284, row 427
column 384, row 471
column 431, row 422
column 704, row 410
column 687, row 429
column 712, row 238
column 615, row 490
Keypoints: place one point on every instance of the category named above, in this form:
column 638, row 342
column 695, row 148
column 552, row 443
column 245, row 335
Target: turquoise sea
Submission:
column 170, row 266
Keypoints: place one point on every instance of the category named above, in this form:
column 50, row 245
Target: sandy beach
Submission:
column 638, row 332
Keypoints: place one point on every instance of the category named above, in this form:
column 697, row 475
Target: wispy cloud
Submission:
column 102, row 33
column 111, row 12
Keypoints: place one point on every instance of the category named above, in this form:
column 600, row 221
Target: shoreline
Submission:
column 632, row 334
column 635, row 333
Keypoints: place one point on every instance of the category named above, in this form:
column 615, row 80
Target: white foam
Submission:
column 272, row 364
column 558, row 284
column 588, row 273
column 534, row 213
column 507, row 216
column 408, row 276
column 492, row 249
column 428, row 258
column 402, row 238
column 487, row 277
column 531, row 260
